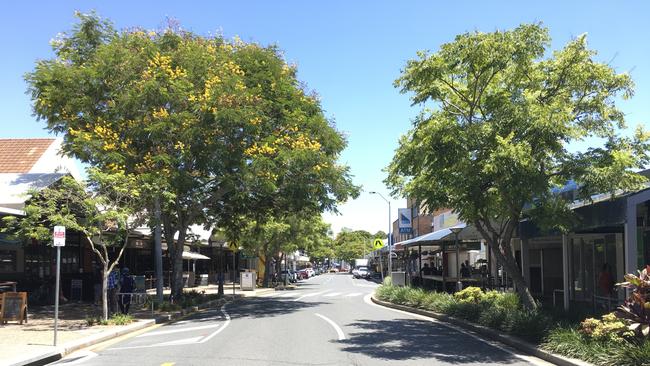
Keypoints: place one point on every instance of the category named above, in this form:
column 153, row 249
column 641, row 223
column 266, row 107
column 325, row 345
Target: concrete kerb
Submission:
column 511, row 341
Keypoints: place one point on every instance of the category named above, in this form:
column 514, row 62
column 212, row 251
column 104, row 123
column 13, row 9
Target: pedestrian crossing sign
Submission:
column 378, row 243
column 233, row 246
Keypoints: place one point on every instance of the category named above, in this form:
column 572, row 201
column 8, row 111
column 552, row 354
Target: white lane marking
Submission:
column 354, row 294
column 338, row 329
column 309, row 295
column 288, row 294
column 495, row 344
column 172, row 331
column 225, row 324
column 194, row 340
column 332, row 294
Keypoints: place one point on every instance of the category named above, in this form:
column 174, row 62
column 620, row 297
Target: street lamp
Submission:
column 456, row 231
column 390, row 245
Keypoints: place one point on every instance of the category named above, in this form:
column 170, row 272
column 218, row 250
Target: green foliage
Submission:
column 501, row 113
column 221, row 131
column 609, row 328
column 635, row 312
column 470, row 294
column 120, row 319
column 350, row 245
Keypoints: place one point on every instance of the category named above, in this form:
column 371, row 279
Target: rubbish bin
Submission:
column 398, row 278
column 247, row 281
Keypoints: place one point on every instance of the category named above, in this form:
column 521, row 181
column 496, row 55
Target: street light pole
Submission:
column 456, row 231
column 390, row 244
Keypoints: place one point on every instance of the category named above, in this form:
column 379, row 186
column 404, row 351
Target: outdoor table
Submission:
column 7, row 284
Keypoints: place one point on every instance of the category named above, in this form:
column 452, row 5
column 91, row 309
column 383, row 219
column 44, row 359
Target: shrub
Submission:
column 609, row 328
column 493, row 317
column 527, row 324
column 439, row 302
column 469, row 294
column 121, row 319
column 415, row 297
column 167, row 306
column 465, row 310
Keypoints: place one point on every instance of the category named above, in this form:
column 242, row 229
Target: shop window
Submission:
column 8, row 261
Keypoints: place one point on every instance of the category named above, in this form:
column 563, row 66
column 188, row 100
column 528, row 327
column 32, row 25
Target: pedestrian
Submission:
column 113, row 287
column 606, row 280
column 127, row 285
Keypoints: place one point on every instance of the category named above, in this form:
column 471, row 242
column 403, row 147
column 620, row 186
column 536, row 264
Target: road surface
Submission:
column 328, row 320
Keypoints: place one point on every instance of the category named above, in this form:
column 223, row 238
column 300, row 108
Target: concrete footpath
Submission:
column 32, row 343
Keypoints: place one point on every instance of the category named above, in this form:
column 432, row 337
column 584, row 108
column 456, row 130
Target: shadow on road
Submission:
column 404, row 339
column 267, row 307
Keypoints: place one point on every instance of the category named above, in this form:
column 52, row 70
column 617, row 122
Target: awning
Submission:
column 194, row 256
column 468, row 233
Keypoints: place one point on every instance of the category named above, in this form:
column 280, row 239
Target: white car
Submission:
column 361, row 272
column 310, row 272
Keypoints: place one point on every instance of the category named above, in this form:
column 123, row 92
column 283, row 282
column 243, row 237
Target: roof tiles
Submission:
column 20, row 155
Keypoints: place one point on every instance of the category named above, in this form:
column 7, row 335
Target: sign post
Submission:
column 378, row 244
column 234, row 247
column 59, row 241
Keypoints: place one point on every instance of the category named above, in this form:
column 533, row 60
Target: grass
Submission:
column 551, row 330
column 116, row 319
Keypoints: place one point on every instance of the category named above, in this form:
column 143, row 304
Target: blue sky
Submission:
column 349, row 52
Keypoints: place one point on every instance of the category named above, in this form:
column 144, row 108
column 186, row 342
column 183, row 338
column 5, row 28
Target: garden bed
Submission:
column 503, row 312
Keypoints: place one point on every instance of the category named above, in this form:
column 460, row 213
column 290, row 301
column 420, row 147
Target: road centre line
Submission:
column 495, row 344
column 338, row 329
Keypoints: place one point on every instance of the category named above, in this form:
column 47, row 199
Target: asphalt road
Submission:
column 328, row 320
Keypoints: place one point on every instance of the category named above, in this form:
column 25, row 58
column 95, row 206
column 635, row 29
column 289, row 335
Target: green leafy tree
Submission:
column 501, row 116
column 105, row 211
column 350, row 245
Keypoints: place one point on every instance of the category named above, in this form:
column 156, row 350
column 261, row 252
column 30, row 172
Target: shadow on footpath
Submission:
column 266, row 307
column 409, row 339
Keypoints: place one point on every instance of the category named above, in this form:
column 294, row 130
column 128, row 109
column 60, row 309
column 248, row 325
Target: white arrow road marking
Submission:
column 338, row 329
column 332, row 294
column 225, row 313
column 172, row 331
column 193, row 340
column 309, row 295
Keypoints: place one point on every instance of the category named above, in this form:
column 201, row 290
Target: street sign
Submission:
column 378, row 243
column 59, row 236
column 233, row 246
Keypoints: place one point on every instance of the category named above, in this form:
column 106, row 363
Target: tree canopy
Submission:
column 501, row 115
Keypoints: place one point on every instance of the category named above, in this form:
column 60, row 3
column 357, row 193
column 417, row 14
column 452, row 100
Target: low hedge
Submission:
column 503, row 311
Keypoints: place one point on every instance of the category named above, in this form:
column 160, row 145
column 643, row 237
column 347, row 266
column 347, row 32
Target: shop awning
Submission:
column 194, row 256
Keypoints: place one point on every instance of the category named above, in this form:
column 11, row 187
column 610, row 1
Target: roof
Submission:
column 14, row 187
column 20, row 155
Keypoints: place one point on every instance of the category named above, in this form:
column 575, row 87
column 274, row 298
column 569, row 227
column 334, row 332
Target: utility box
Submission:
column 247, row 281
column 398, row 278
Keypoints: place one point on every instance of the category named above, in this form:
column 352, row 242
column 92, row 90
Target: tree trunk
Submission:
column 500, row 247
column 177, row 265
column 105, row 274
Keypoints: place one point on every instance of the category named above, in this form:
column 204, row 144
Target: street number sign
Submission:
column 378, row 243
column 59, row 236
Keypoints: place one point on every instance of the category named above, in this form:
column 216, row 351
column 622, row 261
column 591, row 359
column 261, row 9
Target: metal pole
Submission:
column 390, row 243
column 56, row 292
column 233, row 274
column 459, row 285
column 158, row 265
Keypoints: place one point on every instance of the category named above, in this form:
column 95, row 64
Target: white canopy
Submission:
column 194, row 256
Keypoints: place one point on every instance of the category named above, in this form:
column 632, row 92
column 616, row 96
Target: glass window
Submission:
column 8, row 261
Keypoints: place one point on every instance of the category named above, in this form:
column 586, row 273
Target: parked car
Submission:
column 361, row 272
column 302, row 274
column 310, row 272
column 333, row 270
column 292, row 277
